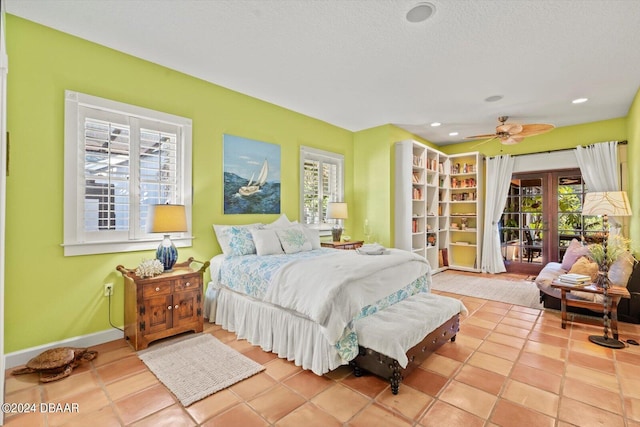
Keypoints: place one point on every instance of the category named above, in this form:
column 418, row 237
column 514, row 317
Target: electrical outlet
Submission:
column 108, row 289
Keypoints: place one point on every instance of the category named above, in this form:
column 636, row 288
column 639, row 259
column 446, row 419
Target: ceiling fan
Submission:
column 513, row 133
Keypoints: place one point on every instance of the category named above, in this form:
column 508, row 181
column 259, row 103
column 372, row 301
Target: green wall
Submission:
column 49, row 297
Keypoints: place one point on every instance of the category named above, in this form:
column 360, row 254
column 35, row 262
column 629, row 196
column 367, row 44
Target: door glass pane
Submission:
column 571, row 224
column 522, row 222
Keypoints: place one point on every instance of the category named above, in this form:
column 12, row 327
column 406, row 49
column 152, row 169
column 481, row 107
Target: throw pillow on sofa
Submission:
column 585, row 266
column 574, row 251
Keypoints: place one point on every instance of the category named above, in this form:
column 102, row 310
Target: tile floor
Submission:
column 510, row 366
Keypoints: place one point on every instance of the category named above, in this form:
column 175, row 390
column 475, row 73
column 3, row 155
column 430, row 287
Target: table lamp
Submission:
column 337, row 210
column 605, row 203
column 167, row 219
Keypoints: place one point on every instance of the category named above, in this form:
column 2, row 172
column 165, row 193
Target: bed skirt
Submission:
column 285, row 333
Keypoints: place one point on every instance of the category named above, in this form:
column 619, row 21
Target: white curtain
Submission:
column 499, row 171
column 599, row 168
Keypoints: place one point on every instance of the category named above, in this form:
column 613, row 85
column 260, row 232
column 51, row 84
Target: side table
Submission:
column 164, row 305
column 615, row 292
column 342, row 245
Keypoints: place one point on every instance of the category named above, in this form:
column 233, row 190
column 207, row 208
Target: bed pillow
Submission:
column 585, row 266
column 293, row 239
column 267, row 242
column 313, row 236
column 236, row 240
column 281, row 222
column 574, row 251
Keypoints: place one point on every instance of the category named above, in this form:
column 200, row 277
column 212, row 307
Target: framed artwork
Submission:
column 251, row 176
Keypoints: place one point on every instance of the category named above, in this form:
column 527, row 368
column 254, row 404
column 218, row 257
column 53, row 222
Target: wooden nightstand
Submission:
column 164, row 305
column 342, row 245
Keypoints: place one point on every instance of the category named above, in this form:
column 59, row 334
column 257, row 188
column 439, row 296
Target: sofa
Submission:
column 625, row 272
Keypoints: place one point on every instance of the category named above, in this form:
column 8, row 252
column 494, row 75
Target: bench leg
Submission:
column 396, row 377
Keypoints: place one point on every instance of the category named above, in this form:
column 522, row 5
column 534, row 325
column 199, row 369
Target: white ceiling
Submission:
column 359, row 63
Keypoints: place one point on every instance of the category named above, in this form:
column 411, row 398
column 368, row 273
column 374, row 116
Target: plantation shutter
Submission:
column 159, row 171
column 322, row 183
column 106, row 193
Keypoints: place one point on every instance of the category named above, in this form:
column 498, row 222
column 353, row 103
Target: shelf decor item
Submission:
column 167, row 219
column 337, row 211
column 614, row 203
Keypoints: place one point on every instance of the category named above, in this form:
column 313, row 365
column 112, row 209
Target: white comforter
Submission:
column 332, row 289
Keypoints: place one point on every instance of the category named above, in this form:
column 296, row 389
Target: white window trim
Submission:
column 316, row 154
column 73, row 200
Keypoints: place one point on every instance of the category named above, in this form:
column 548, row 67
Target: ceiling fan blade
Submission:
column 484, row 142
column 489, row 135
column 535, row 129
column 512, row 140
column 510, row 128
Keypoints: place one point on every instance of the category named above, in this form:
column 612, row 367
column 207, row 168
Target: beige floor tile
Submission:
column 483, row 379
column 499, row 350
column 507, row 340
column 213, row 405
column 276, row 403
column 409, row 402
column 511, row 414
column 470, row 399
column 591, row 376
column 280, row 369
column 441, row 365
column 491, row 363
column 583, row 415
column 174, row 416
column 442, row 414
column 375, row 415
column 531, row 397
column 592, row 395
column 536, row 378
column 308, row 415
column 307, row 383
column 239, row 415
column 341, row 402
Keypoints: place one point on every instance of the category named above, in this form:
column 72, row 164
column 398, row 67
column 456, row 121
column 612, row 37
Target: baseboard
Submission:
column 11, row 360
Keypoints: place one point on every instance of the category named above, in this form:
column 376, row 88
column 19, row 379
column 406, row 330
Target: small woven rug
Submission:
column 198, row 366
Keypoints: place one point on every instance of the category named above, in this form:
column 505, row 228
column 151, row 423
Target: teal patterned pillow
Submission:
column 293, row 239
column 236, row 240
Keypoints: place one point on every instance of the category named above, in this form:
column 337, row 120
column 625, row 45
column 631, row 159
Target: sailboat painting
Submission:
column 251, row 176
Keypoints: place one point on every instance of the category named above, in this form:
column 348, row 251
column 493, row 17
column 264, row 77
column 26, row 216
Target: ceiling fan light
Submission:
column 453, row 134
column 435, row 124
column 579, row 100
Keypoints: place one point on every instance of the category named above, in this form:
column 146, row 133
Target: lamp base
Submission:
column 606, row 341
column 336, row 234
column 167, row 253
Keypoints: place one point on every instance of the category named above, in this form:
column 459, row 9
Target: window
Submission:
column 322, row 177
column 119, row 159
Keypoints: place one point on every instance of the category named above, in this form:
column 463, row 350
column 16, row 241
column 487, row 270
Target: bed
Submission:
column 322, row 308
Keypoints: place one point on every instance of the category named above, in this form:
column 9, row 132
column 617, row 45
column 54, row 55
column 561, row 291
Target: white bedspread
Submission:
column 333, row 291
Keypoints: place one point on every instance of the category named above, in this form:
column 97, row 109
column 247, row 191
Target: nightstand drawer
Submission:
column 186, row 284
column 150, row 290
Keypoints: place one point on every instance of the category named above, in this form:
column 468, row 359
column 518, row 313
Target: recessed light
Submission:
column 493, row 98
column 435, row 124
column 421, row 12
column 579, row 100
column 453, row 134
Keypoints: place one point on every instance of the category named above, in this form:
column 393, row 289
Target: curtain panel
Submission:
column 499, row 171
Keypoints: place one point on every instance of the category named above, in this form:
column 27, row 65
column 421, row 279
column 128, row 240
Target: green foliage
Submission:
column 616, row 247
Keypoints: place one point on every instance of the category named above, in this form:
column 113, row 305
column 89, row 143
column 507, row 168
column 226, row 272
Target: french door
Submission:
column 542, row 215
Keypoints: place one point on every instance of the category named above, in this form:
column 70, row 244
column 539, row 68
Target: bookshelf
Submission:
column 437, row 205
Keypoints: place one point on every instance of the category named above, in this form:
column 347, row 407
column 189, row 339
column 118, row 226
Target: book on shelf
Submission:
column 573, row 278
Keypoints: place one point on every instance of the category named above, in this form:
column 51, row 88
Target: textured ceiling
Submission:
column 359, row 64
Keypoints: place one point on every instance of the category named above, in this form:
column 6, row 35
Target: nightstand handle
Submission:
column 158, row 289
column 188, row 284
column 176, row 306
column 169, row 308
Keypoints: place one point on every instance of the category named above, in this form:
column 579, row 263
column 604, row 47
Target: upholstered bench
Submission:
column 396, row 340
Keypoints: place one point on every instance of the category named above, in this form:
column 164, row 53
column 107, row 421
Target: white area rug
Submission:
column 519, row 292
column 198, row 366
